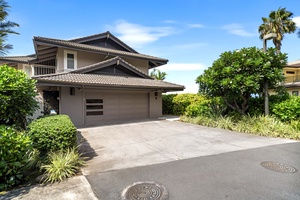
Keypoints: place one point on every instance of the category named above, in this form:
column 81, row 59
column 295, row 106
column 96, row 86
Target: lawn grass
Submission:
column 259, row 125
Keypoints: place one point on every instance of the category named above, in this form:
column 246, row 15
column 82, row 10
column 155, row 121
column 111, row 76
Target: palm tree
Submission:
column 279, row 22
column 5, row 27
column 158, row 75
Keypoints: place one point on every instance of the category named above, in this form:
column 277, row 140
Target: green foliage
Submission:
column 5, row 28
column 279, row 22
column 167, row 104
column 288, row 110
column 200, row 106
column 195, row 101
column 52, row 133
column 15, row 154
column 259, row 125
column 17, row 96
column 236, row 75
column 62, row 165
column 158, row 75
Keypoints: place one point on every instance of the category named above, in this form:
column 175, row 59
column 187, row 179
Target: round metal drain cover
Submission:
column 145, row 191
column 278, row 167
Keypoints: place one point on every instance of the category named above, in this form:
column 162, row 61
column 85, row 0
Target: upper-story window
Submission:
column 70, row 60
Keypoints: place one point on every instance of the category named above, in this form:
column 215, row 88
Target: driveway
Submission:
column 190, row 162
column 121, row 146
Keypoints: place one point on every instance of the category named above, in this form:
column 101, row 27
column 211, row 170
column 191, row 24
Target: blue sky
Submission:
column 190, row 33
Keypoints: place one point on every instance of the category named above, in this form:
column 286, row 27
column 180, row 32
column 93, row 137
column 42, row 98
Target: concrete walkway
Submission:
column 76, row 188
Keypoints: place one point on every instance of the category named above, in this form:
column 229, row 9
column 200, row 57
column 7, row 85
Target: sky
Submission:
column 191, row 34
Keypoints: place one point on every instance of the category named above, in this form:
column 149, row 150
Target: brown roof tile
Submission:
column 22, row 59
column 107, row 81
column 109, row 61
column 97, row 49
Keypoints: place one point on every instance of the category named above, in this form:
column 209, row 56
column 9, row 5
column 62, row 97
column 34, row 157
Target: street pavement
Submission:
column 236, row 175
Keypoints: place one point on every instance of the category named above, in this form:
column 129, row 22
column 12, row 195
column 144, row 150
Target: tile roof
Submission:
column 106, row 81
column 22, row 59
column 106, row 63
column 67, row 43
column 106, row 34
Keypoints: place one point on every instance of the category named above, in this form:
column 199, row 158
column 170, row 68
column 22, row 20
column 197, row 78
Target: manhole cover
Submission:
column 145, row 191
column 278, row 167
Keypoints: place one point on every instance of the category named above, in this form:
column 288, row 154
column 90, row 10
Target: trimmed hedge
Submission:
column 167, row 104
column 288, row 109
column 52, row 133
column 15, row 150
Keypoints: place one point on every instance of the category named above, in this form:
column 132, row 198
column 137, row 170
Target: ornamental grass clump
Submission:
column 259, row 125
column 63, row 164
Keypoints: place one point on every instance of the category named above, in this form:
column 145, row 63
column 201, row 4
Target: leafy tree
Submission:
column 236, row 75
column 5, row 27
column 158, row 75
column 279, row 22
column 17, row 96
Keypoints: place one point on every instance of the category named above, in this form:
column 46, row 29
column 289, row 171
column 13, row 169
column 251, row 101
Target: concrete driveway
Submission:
column 190, row 161
column 120, row 146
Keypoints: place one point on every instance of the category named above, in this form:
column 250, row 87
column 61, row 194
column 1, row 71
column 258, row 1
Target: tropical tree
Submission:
column 158, row 75
column 237, row 75
column 279, row 22
column 5, row 27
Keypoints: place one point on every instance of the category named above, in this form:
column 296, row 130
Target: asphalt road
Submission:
column 235, row 175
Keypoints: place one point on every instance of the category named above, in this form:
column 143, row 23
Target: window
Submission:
column 290, row 72
column 70, row 60
column 295, row 93
column 94, row 106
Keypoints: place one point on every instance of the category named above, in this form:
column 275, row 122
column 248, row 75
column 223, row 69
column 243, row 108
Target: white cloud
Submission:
column 138, row 35
column 195, row 25
column 297, row 21
column 182, row 67
column 237, row 29
column 189, row 88
column 169, row 21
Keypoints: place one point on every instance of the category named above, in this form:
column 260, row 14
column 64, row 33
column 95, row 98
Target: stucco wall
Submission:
column 72, row 105
column 86, row 58
column 155, row 105
column 140, row 64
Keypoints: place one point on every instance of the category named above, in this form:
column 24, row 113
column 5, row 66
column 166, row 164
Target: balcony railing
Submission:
column 43, row 69
column 292, row 79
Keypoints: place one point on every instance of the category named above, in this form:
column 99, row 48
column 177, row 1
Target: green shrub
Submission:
column 17, row 96
column 167, row 104
column 181, row 101
column 288, row 110
column 259, row 125
column 62, row 165
column 52, row 133
column 15, row 151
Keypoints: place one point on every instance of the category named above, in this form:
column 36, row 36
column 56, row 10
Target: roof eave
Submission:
column 40, row 41
column 76, row 84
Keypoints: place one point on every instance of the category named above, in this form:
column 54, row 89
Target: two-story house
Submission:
column 292, row 77
column 94, row 79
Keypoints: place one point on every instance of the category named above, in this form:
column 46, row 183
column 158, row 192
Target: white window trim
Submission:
column 66, row 61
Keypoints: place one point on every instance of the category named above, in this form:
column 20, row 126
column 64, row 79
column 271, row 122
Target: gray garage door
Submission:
column 115, row 106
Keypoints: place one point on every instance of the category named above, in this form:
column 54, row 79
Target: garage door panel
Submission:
column 120, row 106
